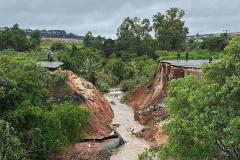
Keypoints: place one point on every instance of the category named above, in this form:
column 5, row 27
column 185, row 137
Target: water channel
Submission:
column 124, row 116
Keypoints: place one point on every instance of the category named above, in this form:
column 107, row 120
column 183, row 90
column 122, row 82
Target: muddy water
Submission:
column 124, row 116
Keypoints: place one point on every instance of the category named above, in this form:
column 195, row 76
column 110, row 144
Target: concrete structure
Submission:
column 51, row 65
column 186, row 64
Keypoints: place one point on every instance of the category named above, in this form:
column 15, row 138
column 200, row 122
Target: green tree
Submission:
column 213, row 43
column 35, row 39
column 170, row 30
column 89, row 69
column 9, row 94
column 108, row 47
column 56, row 46
column 205, row 121
column 45, row 133
column 38, row 129
column 126, row 29
column 142, row 69
column 88, row 39
column 119, row 69
column 22, row 80
column 93, row 42
column 14, row 38
column 83, row 61
column 98, row 42
column 10, row 145
column 74, row 121
column 134, row 36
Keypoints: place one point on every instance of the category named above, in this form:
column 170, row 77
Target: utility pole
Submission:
column 226, row 31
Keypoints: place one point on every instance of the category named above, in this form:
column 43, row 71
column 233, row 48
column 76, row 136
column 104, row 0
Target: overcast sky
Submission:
column 104, row 16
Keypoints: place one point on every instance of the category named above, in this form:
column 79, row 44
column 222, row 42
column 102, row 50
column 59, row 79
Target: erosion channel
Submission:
column 126, row 127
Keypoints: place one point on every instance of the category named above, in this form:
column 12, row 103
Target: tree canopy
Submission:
column 15, row 38
column 170, row 29
column 135, row 36
column 216, row 43
column 10, row 145
column 205, row 121
column 31, row 125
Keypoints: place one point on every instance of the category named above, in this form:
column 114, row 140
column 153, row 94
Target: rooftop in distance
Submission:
column 51, row 65
column 184, row 63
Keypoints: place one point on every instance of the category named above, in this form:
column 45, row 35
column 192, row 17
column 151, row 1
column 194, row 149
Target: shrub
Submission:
column 57, row 46
column 45, row 132
column 205, row 113
column 40, row 128
column 23, row 80
column 215, row 43
column 103, row 86
column 10, row 145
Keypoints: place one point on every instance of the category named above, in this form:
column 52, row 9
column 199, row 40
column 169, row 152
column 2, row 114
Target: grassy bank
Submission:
column 201, row 54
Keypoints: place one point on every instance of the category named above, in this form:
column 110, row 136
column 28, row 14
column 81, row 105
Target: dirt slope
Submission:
column 101, row 116
column 153, row 92
column 100, row 110
column 148, row 100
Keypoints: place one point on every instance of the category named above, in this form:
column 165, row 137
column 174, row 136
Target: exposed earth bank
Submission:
column 101, row 115
column 154, row 92
column 148, row 100
column 107, row 114
column 148, row 109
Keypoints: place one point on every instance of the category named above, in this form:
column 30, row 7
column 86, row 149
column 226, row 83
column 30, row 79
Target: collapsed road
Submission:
column 145, row 106
column 111, row 124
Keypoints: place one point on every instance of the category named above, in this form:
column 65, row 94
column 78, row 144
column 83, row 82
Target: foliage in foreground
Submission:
column 10, row 145
column 205, row 114
column 31, row 126
column 47, row 132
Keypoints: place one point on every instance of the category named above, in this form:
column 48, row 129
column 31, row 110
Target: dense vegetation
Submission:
column 130, row 60
column 204, row 113
column 134, row 36
column 16, row 39
column 107, row 72
column 212, row 43
column 32, row 126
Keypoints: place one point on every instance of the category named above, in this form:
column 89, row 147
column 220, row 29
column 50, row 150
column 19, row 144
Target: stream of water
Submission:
column 124, row 116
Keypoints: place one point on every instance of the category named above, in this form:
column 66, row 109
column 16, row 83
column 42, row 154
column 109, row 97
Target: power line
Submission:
column 226, row 31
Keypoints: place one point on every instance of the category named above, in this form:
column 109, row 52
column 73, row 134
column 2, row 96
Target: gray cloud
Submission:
column 104, row 16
